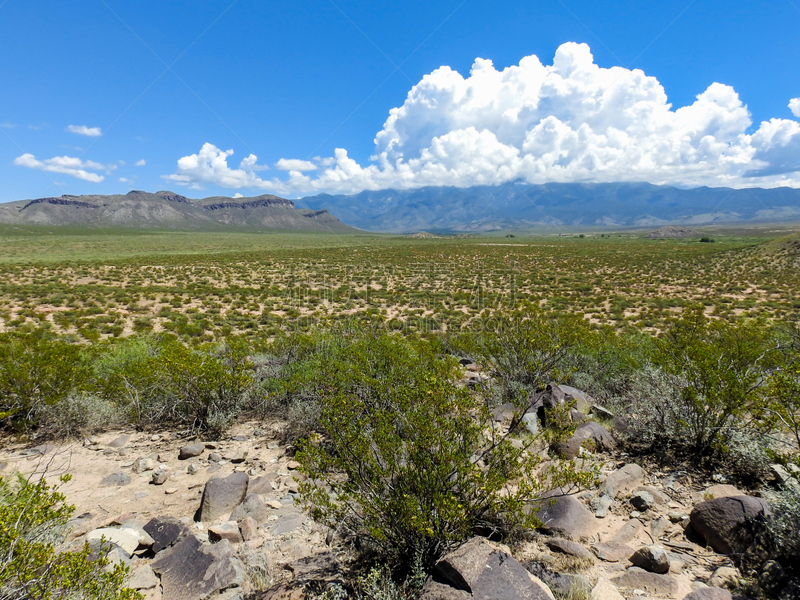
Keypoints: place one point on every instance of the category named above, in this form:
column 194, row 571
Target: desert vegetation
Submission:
column 358, row 345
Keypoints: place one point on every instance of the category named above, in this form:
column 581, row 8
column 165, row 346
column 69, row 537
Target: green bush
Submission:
column 716, row 372
column 37, row 371
column 33, row 521
column 408, row 461
column 525, row 349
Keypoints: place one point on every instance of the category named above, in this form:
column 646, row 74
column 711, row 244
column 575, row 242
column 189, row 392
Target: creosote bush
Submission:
column 33, row 519
column 408, row 459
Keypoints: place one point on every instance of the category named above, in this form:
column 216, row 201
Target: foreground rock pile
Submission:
column 198, row 520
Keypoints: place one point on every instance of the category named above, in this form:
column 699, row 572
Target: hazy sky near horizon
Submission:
column 295, row 98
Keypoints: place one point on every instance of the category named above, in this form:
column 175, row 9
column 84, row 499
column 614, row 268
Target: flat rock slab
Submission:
column 127, row 541
column 612, row 552
column 564, row 516
column 725, row 523
column 623, row 480
column 479, row 571
column 568, row 547
column 221, row 495
column 288, row 523
column 628, row 532
column 317, row 567
column 652, row 583
column 191, row 571
column 115, row 479
column 143, row 578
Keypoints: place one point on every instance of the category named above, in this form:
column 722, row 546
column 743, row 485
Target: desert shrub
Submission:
column 79, row 414
column 33, row 519
column 407, row 457
column 525, row 349
column 160, row 381
column 36, row 371
column 716, row 372
column 784, row 390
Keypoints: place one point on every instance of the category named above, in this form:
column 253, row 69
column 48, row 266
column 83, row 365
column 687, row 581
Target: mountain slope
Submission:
column 167, row 210
column 517, row 205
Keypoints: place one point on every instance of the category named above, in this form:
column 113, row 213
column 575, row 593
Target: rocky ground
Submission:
column 197, row 519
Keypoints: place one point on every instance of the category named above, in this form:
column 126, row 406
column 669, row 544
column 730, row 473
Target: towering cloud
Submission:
column 569, row 121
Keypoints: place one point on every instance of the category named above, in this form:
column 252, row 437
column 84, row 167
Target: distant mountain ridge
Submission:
column 168, row 210
column 521, row 205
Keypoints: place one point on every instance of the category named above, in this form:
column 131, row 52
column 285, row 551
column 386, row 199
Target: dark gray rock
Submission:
column 726, row 523
column 191, row 571
column 322, row 566
column 479, row 571
column 165, row 532
column 191, row 450
column 563, row 515
column 221, row 495
column 651, row 558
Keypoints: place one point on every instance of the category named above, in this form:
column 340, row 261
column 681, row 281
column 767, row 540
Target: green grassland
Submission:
column 200, row 286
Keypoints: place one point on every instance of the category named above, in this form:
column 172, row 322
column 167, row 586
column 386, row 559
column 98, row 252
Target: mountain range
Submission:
column 440, row 209
column 167, row 210
column 522, row 206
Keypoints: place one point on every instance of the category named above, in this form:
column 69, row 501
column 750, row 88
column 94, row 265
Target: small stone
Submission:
column 160, row 475
column 600, row 505
column 170, row 490
column 248, row 528
column 274, row 504
column 725, row 577
column 190, row 451
column 292, row 465
column 677, row 516
column 215, row 457
column 642, row 501
column 192, row 469
column 651, row 558
column 155, row 438
column 142, row 464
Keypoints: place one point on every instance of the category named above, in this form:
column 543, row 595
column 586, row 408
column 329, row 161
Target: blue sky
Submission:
column 105, row 96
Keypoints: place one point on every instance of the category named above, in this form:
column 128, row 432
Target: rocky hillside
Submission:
column 167, row 210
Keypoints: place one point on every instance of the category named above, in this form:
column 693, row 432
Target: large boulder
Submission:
column 191, row 571
column 563, row 515
column 221, row 495
column 651, row 558
column 726, row 523
column 480, row 571
column 598, row 434
column 165, row 531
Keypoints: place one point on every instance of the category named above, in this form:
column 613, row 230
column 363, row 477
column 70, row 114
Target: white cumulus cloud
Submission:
column 210, row 166
column 140, row 163
column 568, row 121
column 794, row 106
column 84, row 130
column 294, row 164
column 66, row 165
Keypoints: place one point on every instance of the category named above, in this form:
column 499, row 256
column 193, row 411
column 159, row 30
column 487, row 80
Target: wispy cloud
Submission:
column 84, row 130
